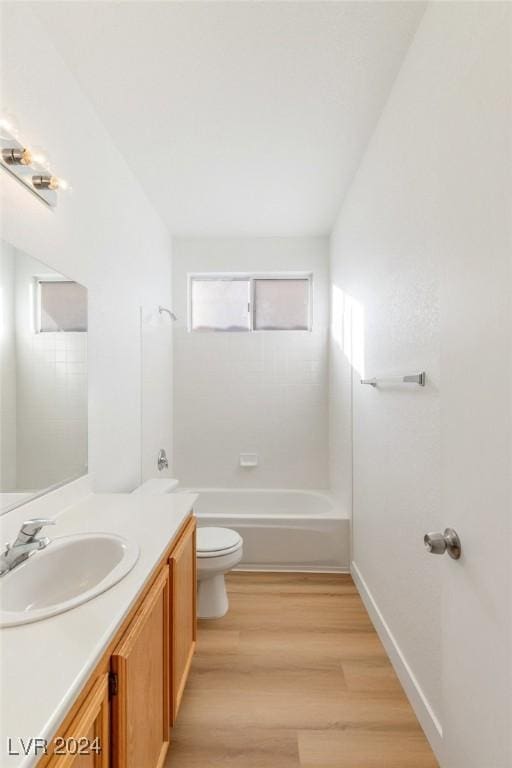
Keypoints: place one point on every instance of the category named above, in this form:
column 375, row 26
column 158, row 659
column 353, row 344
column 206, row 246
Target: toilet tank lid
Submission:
column 210, row 539
column 157, row 486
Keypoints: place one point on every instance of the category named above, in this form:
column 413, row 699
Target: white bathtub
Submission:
column 282, row 530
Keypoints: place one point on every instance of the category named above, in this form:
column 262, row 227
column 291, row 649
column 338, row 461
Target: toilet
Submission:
column 218, row 551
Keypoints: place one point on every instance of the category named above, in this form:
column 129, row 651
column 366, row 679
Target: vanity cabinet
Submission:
column 132, row 698
column 86, row 742
column 182, row 564
column 140, row 664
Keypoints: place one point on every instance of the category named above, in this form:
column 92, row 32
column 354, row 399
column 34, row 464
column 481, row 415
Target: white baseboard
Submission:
column 419, row 702
column 255, row 568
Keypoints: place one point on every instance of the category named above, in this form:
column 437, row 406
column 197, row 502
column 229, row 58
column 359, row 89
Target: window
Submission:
column 281, row 305
column 220, row 304
column 250, row 302
column 62, row 306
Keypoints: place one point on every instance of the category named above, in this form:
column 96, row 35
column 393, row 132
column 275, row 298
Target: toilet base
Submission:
column 212, row 599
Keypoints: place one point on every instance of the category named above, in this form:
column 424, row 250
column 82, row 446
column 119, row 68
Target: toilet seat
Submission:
column 216, row 542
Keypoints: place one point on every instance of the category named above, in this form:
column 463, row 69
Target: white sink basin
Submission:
column 69, row 572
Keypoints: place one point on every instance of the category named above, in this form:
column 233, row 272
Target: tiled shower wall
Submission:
column 263, row 392
column 51, row 385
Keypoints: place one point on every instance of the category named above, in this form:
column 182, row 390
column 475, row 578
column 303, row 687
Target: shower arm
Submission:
column 171, row 314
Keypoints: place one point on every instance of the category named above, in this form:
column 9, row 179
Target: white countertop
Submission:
column 43, row 666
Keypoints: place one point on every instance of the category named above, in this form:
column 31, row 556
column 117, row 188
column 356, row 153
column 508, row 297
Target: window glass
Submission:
column 281, row 304
column 63, row 306
column 220, row 304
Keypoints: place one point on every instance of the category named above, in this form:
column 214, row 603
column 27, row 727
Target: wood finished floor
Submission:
column 294, row 677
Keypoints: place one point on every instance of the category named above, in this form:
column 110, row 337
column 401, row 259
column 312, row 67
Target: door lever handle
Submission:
column 439, row 543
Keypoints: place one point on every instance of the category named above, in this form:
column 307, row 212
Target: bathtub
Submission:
column 282, row 530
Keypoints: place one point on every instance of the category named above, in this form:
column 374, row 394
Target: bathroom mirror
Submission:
column 43, row 378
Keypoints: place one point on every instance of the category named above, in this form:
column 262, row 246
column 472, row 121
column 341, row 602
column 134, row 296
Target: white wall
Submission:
column 422, row 244
column 263, row 392
column 384, row 257
column 103, row 234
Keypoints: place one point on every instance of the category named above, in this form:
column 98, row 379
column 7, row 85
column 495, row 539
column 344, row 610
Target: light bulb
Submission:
column 26, row 157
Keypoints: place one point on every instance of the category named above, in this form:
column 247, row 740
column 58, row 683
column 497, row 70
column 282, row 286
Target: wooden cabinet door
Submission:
column 86, row 743
column 140, row 705
column 182, row 563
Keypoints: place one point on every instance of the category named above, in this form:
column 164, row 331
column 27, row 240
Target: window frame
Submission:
column 251, row 278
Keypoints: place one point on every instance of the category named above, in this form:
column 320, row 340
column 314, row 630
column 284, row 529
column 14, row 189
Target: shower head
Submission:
column 171, row 314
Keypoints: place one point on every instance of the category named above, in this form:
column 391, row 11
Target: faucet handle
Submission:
column 31, row 527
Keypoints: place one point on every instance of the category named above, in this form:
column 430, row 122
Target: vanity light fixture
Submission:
column 30, row 167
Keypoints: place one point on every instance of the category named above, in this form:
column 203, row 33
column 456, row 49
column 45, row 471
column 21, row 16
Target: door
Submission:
column 86, row 743
column 476, row 484
column 476, row 423
column 140, row 705
column 477, row 469
column 182, row 565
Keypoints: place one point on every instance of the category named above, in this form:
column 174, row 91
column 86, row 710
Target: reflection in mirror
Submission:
column 43, row 378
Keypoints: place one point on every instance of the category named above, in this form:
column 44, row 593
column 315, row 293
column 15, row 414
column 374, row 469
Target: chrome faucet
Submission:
column 26, row 542
column 162, row 461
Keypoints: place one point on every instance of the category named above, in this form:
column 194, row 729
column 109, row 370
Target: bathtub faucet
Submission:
column 162, row 461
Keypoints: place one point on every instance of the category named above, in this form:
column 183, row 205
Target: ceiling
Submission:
column 238, row 118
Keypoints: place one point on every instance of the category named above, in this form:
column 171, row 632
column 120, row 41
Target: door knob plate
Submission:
column 453, row 546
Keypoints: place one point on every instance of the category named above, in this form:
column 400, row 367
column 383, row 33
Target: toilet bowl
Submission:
column 218, row 551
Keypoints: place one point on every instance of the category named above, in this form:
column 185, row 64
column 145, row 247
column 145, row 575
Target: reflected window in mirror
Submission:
column 61, row 306
column 43, row 378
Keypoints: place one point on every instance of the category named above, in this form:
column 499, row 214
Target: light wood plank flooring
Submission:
column 294, row 677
